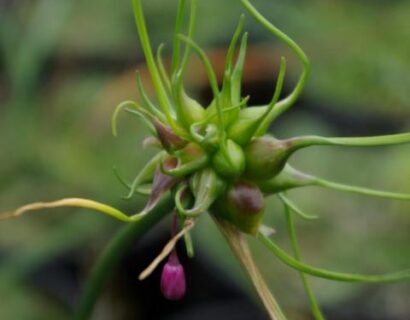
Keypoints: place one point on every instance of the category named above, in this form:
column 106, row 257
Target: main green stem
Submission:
column 112, row 254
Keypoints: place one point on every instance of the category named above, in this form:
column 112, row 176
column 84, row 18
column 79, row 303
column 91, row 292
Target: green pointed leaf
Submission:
column 267, row 118
column 286, row 103
column 331, row 275
column 137, row 110
column 212, row 79
column 178, row 27
column 152, row 67
column 314, row 306
column 146, row 175
column 162, row 70
column 236, row 78
column 149, row 105
column 392, row 139
column 188, row 110
column 364, row 191
column 229, row 160
column 288, row 178
column 289, row 204
column 243, row 129
column 70, row 202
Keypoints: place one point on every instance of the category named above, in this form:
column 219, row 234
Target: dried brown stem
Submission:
column 240, row 247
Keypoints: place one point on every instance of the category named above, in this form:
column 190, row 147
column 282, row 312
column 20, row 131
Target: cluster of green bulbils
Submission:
column 216, row 158
column 219, row 158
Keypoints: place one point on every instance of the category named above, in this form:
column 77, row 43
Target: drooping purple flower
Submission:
column 173, row 285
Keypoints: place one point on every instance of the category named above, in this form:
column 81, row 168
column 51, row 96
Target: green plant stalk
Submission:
column 314, row 306
column 112, row 254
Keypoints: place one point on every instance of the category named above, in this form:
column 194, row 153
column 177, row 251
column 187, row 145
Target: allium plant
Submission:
column 220, row 160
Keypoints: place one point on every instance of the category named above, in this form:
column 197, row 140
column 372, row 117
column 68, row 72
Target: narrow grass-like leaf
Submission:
column 365, row 191
column 266, row 119
column 146, row 175
column 226, row 95
column 191, row 28
column 391, row 139
column 71, row 202
column 211, row 76
column 162, row 69
column 289, row 204
column 152, row 67
column 286, row 103
column 314, row 306
column 236, row 78
column 232, row 45
column 149, row 105
column 177, row 43
column 331, row 275
column 141, row 190
column 290, row 178
column 124, row 106
column 180, row 72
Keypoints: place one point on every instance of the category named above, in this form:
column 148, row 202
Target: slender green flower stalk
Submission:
column 220, row 160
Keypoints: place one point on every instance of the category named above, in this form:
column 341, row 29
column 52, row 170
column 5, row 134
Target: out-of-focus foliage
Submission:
column 66, row 64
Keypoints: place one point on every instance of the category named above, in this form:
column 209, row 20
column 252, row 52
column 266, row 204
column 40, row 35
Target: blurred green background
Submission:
column 65, row 65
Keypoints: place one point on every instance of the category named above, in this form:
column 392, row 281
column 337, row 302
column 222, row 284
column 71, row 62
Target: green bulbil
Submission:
column 244, row 128
column 229, row 160
column 242, row 205
column 219, row 159
column 211, row 136
column 266, row 157
column 189, row 111
column 206, row 186
column 229, row 112
column 288, row 178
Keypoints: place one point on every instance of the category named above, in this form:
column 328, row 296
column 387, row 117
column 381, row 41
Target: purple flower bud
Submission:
column 173, row 279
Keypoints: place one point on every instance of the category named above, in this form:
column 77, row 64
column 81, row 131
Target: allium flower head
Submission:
column 220, row 158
